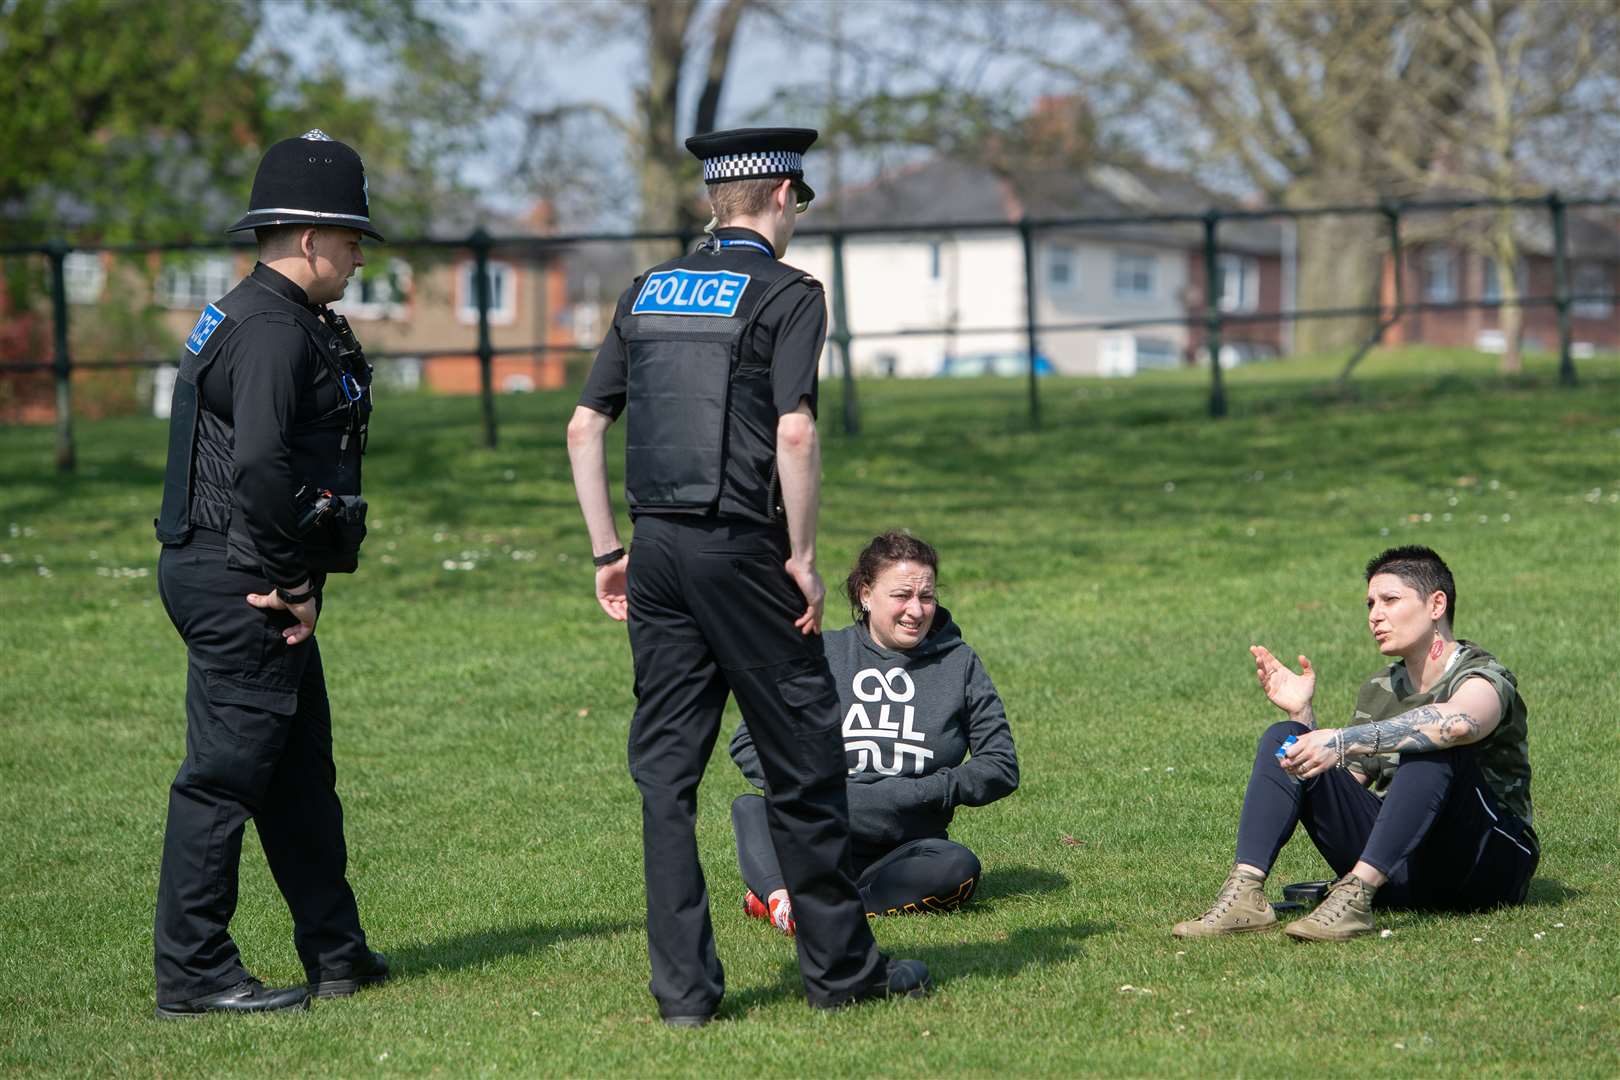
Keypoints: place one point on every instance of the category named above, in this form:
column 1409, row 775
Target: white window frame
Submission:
column 189, row 284
column 1064, row 257
column 393, row 276
column 84, row 276
column 1599, row 282
column 502, row 283
column 1244, row 271
column 1440, row 275
column 1131, row 270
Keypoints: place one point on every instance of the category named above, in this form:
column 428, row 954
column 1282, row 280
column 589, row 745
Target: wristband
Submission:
column 290, row 598
column 609, row 559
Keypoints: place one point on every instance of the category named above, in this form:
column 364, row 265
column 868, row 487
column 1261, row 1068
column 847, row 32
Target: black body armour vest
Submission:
column 326, row 448
column 701, row 420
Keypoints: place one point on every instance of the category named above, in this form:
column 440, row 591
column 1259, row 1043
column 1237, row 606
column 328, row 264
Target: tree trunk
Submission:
column 1340, row 266
column 1510, row 316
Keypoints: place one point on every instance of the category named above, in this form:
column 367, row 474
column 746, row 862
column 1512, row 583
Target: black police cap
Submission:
column 755, row 154
column 310, row 180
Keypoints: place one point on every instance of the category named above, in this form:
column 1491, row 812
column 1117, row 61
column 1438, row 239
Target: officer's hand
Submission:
column 815, row 595
column 612, row 589
column 306, row 614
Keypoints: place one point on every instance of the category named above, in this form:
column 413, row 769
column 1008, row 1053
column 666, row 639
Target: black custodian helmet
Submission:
column 310, row 180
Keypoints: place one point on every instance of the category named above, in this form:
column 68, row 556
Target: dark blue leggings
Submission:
column 1438, row 833
column 920, row 875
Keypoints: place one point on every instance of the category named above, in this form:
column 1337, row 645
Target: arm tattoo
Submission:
column 1422, row 730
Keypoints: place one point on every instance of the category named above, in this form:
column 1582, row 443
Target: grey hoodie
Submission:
column 909, row 719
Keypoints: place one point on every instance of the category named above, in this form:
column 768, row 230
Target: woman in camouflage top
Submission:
column 1424, row 801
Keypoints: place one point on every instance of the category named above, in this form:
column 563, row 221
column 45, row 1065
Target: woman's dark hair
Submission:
column 883, row 552
column 1420, row 568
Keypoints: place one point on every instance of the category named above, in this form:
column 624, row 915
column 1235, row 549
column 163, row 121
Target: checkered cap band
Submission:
column 751, row 166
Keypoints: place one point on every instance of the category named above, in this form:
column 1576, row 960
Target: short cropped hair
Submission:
column 741, row 198
column 881, row 553
column 1421, row 568
column 278, row 240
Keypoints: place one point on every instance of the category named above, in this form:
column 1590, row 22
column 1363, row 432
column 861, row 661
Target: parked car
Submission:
column 992, row 363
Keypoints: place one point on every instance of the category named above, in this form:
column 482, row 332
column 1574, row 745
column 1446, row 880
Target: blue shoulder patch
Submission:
column 207, row 323
column 691, row 292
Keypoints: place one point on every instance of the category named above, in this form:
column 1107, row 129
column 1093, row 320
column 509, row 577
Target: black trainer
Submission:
column 909, row 978
column 343, row 982
column 248, row 996
column 695, row 1021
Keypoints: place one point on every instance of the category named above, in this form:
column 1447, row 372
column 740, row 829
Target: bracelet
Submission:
column 290, row 598
column 609, row 559
column 1338, row 744
column 1378, row 737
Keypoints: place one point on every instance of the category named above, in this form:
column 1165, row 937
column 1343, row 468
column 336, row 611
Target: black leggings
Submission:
column 1438, row 833
column 919, row 875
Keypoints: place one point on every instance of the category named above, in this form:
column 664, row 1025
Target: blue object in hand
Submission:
column 1282, row 750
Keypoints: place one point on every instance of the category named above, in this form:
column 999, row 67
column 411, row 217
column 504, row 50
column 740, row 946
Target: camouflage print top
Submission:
column 1504, row 754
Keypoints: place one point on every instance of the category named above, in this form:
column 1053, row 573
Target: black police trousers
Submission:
column 1439, row 833
column 928, row 874
column 259, row 745
column 711, row 613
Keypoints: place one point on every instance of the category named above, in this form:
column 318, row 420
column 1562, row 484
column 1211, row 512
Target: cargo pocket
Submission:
column 811, row 699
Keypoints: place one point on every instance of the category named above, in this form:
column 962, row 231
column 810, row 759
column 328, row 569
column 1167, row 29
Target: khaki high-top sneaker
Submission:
column 1345, row 912
column 1241, row 908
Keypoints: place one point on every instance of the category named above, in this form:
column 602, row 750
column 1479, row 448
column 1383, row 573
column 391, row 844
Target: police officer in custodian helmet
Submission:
column 712, row 359
column 261, row 501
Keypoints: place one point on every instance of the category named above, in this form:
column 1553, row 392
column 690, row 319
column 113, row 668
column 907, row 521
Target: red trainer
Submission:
column 753, row 906
column 782, row 915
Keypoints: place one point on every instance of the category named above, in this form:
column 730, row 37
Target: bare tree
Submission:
column 1528, row 63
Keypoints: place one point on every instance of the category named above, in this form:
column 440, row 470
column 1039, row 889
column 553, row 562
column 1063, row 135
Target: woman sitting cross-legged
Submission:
column 1441, row 735
column 915, row 701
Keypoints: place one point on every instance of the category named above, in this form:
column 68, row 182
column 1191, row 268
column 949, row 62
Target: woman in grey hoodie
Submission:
column 915, row 702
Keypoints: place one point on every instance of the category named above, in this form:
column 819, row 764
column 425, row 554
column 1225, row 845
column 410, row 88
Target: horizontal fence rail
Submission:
column 1213, row 319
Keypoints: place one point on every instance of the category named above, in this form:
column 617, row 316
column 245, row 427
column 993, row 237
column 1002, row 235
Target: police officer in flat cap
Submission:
column 712, row 358
column 261, row 501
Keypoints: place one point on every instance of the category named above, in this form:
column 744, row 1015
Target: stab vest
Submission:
column 326, row 448
column 700, row 434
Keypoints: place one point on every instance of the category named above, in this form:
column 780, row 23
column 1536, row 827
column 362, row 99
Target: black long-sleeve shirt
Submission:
column 265, row 378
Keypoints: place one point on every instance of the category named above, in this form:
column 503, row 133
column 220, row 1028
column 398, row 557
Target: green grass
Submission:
column 1111, row 568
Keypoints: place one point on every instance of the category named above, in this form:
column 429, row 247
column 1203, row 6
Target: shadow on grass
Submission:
column 1549, row 892
column 999, row 956
column 1012, row 882
column 471, row 950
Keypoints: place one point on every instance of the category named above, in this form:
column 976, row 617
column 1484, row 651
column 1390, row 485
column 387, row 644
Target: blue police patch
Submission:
column 691, row 292
column 207, row 323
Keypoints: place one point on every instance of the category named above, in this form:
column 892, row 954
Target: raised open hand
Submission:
column 1288, row 691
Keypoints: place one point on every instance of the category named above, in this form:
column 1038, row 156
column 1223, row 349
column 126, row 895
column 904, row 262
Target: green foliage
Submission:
column 130, row 121
column 1111, row 568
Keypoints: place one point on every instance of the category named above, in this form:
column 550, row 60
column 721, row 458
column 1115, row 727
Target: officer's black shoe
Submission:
column 345, row 981
column 696, row 1021
column 909, row 978
column 248, row 996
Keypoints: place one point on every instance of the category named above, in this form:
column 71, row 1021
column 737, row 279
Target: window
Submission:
column 1238, row 279
column 933, row 260
column 1060, row 265
column 1592, row 286
column 378, row 291
column 84, row 276
column 1439, row 275
column 1491, row 287
column 193, row 282
column 1133, row 276
column 502, row 294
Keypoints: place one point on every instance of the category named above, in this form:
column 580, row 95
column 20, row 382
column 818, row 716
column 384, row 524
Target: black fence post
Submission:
column 480, row 244
column 1566, row 360
column 841, row 337
column 61, row 361
column 1027, row 235
column 1212, row 313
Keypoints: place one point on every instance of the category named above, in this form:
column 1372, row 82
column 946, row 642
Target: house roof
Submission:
column 943, row 192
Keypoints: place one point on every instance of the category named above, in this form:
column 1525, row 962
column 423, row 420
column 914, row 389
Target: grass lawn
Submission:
column 1111, row 568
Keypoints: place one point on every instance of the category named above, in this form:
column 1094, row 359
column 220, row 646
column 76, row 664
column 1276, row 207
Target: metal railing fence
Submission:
column 1212, row 320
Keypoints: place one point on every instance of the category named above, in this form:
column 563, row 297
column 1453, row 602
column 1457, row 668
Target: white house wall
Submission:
column 890, row 285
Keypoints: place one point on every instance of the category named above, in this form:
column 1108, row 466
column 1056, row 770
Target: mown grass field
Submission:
column 1112, row 569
